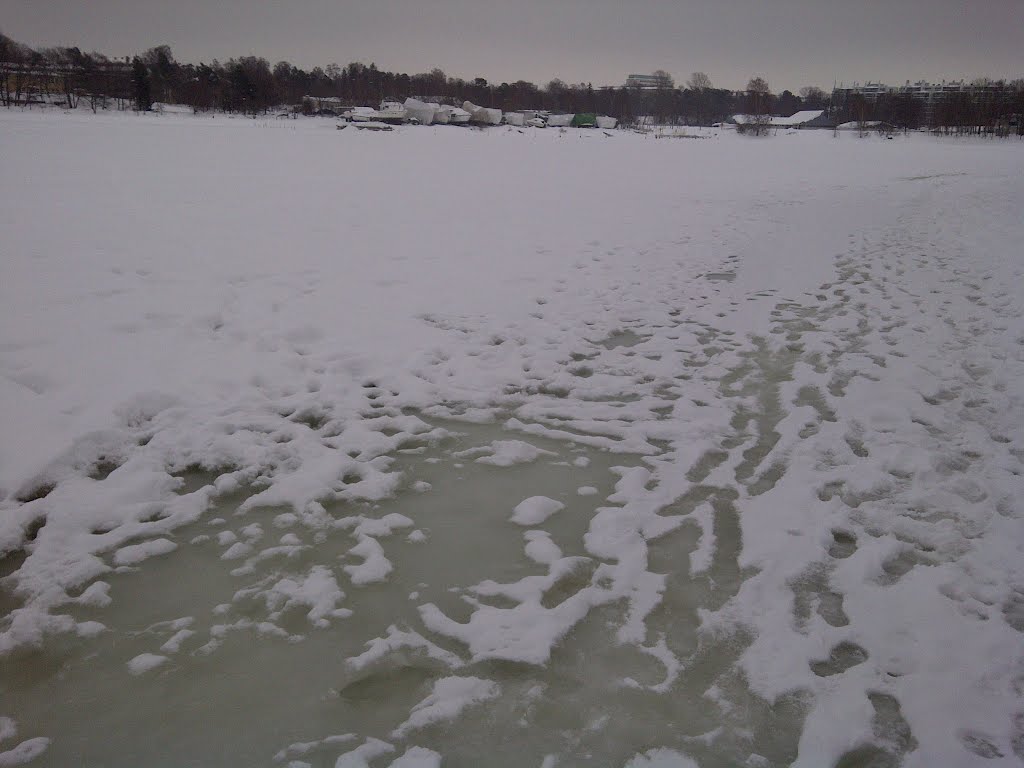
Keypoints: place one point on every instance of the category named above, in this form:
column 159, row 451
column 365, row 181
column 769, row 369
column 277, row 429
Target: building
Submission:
column 649, row 82
column 810, row 118
column 928, row 95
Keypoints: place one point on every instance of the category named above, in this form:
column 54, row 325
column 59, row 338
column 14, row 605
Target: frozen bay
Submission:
column 274, row 397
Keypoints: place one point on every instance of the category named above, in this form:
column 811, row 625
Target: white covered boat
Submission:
column 425, row 113
column 455, row 115
column 389, row 112
column 560, row 121
column 483, row 115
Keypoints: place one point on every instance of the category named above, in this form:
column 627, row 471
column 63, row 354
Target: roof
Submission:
column 804, row 116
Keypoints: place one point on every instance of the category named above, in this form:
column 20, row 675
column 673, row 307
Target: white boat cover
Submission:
column 560, row 121
column 483, row 115
column 422, row 111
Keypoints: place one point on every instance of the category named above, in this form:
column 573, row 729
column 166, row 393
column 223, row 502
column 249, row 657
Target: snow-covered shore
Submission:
column 806, row 351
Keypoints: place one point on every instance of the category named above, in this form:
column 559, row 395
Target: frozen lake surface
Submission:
column 508, row 447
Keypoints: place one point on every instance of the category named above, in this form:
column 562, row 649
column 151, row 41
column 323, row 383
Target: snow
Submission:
column 484, row 115
column 375, row 566
column 540, row 548
column 815, row 422
column 798, row 118
column 145, row 662
column 136, row 553
column 446, row 701
column 25, row 752
column 418, row 757
column 318, row 591
column 360, row 756
column 506, row 453
column 661, row 758
column 421, row 111
column 535, row 510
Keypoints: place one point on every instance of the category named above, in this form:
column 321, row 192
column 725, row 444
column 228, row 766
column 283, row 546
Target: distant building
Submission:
column 810, row 118
column 929, row 95
column 649, row 82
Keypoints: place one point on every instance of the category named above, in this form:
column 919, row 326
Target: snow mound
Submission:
column 535, row 510
column 449, row 697
column 145, row 662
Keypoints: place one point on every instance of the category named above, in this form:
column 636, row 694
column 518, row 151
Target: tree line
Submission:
column 250, row 85
column 984, row 106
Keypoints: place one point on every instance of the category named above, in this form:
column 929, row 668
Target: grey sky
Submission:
column 791, row 42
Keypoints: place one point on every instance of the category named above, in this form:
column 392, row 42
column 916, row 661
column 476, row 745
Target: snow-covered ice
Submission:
column 655, row 453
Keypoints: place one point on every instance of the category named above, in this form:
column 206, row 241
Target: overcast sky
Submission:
column 790, row 42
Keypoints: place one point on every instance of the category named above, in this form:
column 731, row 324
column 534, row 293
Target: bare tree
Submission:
column 813, row 96
column 699, row 81
column 700, row 85
column 758, row 106
column 665, row 80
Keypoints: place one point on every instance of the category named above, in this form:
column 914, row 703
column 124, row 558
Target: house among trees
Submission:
column 808, row 118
